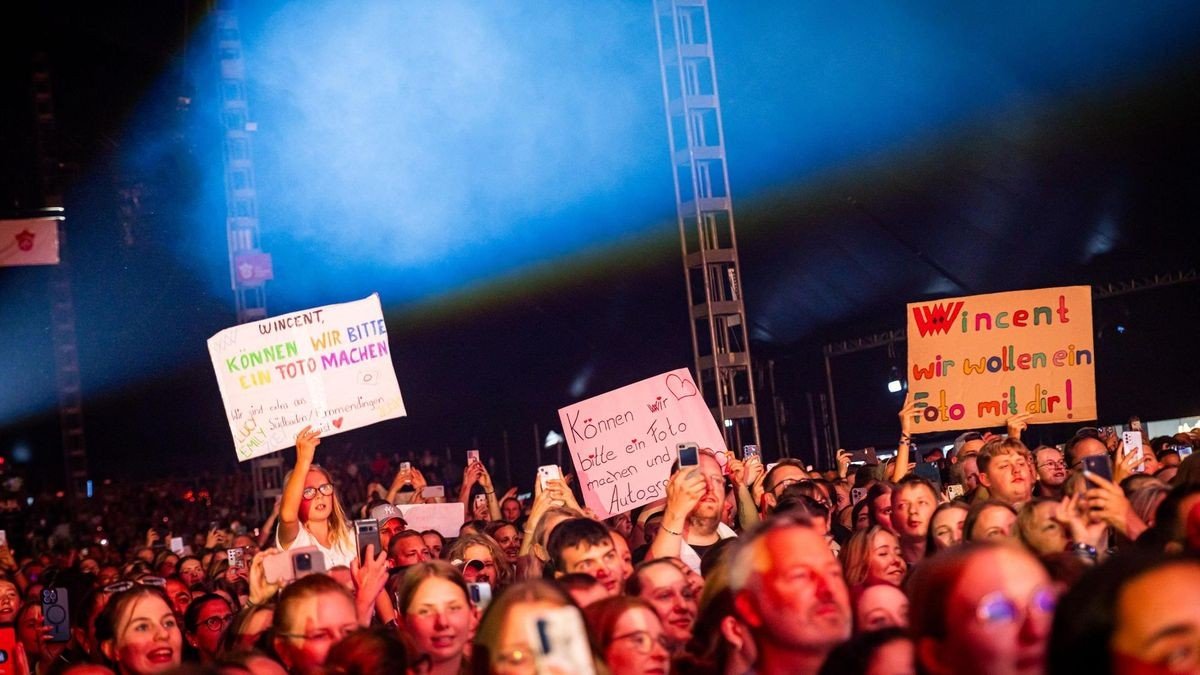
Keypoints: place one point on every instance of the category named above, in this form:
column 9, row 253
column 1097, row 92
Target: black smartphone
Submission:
column 689, row 455
column 865, row 456
column 367, row 531
column 1098, row 465
column 56, row 613
column 930, row 473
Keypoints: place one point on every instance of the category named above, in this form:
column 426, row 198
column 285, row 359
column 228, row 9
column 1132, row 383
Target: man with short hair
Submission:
column 391, row 522
column 966, row 445
column 1051, row 471
column 914, row 500
column 692, row 520
column 785, row 472
column 1085, row 443
column 585, row 545
column 1004, row 471
column 789, row 590
column 408, row 548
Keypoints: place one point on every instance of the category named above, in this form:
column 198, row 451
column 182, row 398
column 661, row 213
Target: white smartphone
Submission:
column 560, row 641
column 1132, row 442
column 177, row 545
column 480, row 593
column 3, row 538
column 472, row 456
column 955, row 491
column 406, row 466
column 480, row 500
column 430, row 491
column 548, row 472
column 857, row 495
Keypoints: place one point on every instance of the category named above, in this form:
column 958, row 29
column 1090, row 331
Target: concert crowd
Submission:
column 989, row 557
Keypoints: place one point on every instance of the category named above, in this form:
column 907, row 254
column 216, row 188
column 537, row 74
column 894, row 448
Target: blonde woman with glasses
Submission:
column 309, row 512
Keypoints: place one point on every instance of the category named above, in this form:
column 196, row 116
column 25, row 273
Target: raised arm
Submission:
column 900, row 466
column 293, row 492
column 684, row 491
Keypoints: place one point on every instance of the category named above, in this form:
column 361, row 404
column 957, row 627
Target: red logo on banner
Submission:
column 25, row 240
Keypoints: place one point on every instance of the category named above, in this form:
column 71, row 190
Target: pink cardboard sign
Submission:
column 623, row 442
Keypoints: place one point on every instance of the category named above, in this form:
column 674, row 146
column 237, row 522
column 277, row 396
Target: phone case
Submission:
column 1098, row 465
column 548, row 472
column 278, row 567
column 307, row 560
column 56, row 613
column 367, row 534
column 560, row 642
column 8, row 650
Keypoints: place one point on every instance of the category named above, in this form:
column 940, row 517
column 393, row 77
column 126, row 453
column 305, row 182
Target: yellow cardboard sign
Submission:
column 974, row 362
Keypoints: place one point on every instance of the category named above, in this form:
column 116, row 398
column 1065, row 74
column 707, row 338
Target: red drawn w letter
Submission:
column 936, row 318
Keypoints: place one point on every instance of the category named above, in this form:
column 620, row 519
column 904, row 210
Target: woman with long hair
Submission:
column 629, row 635
column 493, row 567
column 501, row 645
column 871, row 557
column 435, row 610
column 138, row 632
column 309, row 511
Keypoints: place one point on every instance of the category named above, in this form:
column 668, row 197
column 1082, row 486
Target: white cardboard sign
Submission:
column 329, row 367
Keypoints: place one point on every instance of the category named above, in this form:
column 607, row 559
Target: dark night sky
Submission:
column 1096, row 188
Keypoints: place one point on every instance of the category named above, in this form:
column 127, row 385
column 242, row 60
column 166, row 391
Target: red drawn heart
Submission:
column 679, row 387
column 338, row 423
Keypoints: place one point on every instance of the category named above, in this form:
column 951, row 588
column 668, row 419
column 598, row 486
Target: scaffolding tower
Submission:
column 704, row 211
column 249, row 266
column 63, row 336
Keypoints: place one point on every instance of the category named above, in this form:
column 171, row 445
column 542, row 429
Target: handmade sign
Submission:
column 328, row 367
column 974, row 362
column 447, row 519
column 624, row 442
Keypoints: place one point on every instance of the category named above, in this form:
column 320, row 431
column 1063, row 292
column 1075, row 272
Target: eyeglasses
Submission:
column 310, row 492
column 643, row 641
column 996, row 609
column 1053, row 464
column 122, row 586
column 782, row 485
column 325, row 635
column 216, row 623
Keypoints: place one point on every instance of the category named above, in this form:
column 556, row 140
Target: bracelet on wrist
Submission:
column 670, row 531
column 905, row 439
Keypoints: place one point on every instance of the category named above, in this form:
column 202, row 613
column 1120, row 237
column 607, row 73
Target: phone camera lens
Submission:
column 304, row 562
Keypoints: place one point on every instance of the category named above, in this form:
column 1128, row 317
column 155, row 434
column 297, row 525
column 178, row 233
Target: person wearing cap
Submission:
column 391, row 522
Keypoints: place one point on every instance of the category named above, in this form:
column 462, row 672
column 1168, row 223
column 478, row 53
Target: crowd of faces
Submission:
column 740, row 568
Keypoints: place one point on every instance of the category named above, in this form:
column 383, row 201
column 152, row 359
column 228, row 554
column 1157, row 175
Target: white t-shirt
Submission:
column 341, row 554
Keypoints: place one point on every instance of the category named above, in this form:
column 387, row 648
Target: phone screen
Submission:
column 689, row 454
